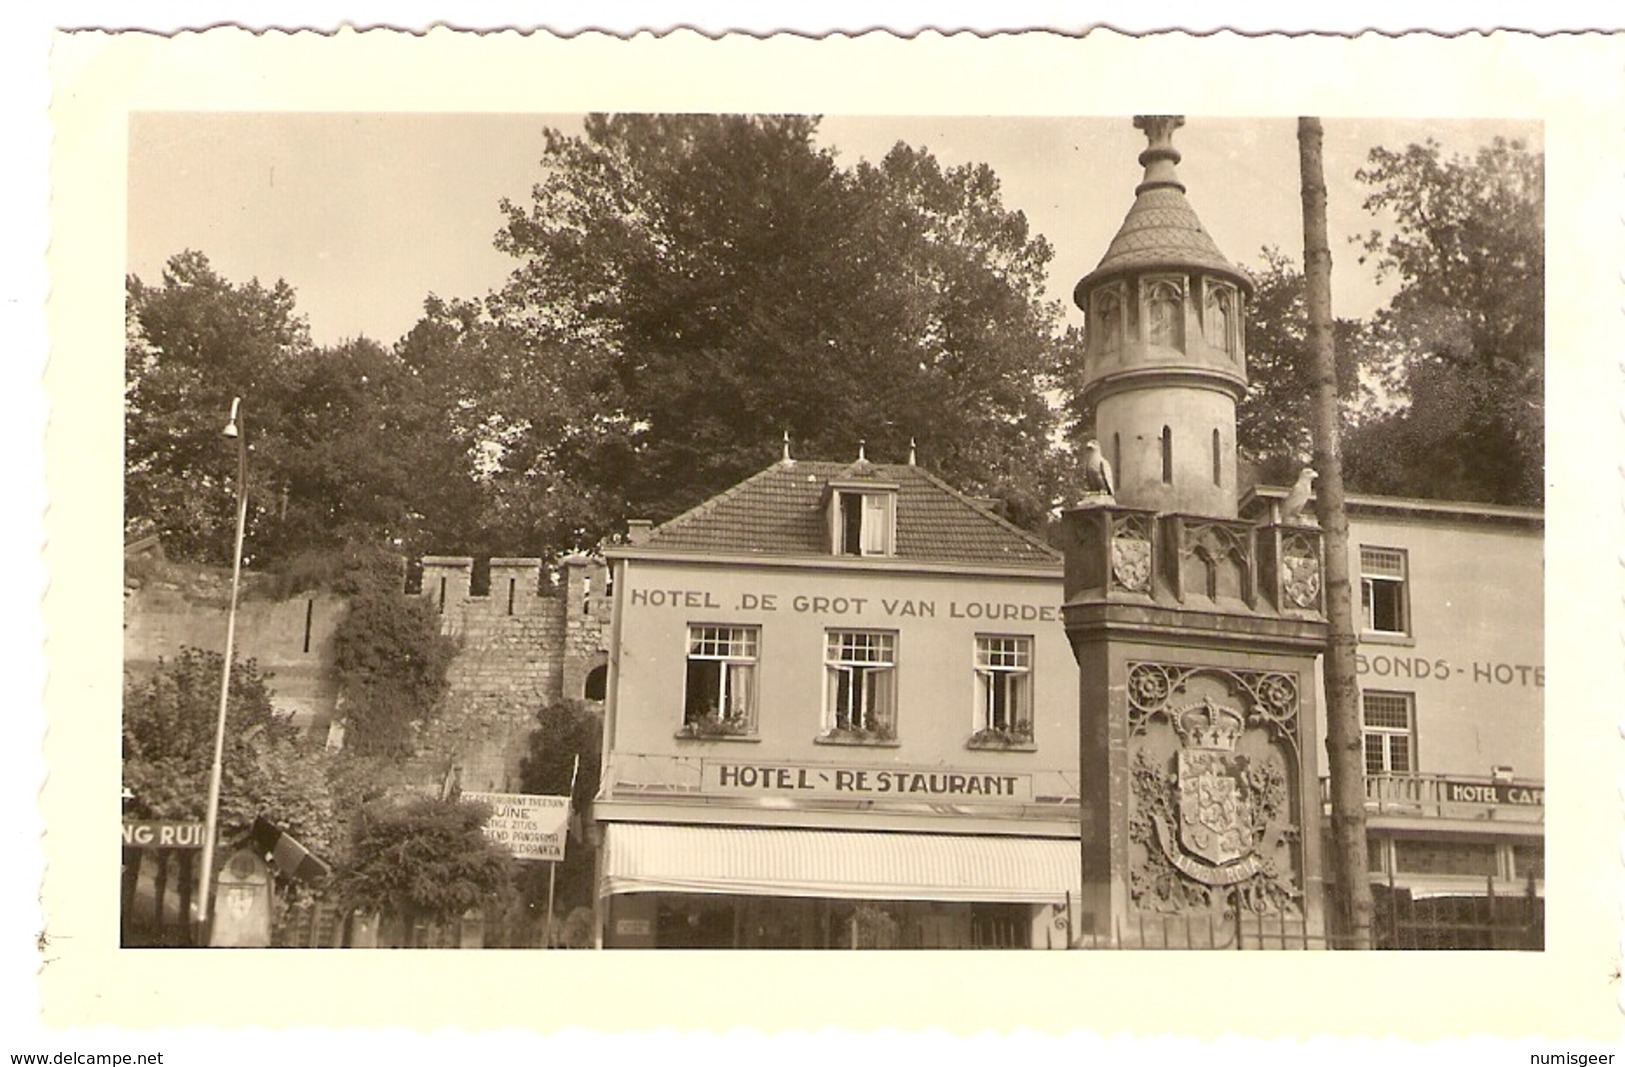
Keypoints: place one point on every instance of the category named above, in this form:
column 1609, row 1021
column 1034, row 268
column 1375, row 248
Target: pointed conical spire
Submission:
column 1160, row 156
column 1161, row 230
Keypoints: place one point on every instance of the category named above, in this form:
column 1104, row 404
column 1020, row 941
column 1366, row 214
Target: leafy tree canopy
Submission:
column 1467, row 246
column 691, row 287
column 345, row 443
column 169, row 725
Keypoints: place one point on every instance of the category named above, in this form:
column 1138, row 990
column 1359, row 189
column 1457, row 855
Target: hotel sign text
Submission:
column 1493, row 793
column 803, row 780
column 879, row 606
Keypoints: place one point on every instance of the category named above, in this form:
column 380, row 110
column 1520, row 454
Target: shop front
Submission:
column 689, row 886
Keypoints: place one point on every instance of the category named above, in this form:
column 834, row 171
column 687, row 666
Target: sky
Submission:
column 365, row 215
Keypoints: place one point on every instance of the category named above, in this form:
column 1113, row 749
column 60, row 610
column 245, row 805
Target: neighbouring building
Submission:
column 1451, row 672
column 841, row 712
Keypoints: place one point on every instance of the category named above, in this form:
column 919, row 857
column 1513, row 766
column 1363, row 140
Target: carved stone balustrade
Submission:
column 1292, row 569
column 1111, row 553
column 1136, row 556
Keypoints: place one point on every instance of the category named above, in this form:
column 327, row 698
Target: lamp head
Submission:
column 231, row 422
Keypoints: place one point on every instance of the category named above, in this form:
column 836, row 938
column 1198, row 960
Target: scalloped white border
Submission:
column 1577, row 91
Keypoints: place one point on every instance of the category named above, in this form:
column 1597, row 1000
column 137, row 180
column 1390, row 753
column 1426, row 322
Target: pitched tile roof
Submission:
column 783, row 511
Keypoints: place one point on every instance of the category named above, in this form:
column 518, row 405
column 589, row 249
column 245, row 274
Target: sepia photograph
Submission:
column 732, row 531
column 857, row 534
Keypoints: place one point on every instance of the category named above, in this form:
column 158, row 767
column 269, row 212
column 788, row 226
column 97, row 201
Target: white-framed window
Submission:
column 719, row 688
column 1388, row 728
column 1004, row 686
column 860, row 668
column 863, row 522
column 1384, row 604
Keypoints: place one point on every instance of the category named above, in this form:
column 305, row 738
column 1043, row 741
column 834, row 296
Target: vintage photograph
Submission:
column 704, row 529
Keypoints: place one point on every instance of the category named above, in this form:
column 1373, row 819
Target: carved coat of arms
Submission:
column 1215, row 814
column 1217, row 831
column 1302, row 579
column 1131, row 563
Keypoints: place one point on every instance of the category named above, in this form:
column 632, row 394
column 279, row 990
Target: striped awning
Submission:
column 843, row 864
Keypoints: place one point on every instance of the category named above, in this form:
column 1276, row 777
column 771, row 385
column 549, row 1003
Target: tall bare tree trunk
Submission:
column 1345, row 755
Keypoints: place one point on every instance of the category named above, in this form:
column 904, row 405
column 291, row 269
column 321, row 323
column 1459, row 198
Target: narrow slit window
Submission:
column 1167, row 456
column 1218, row 469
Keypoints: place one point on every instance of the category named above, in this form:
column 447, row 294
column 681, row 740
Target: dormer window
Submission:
column 863, row 520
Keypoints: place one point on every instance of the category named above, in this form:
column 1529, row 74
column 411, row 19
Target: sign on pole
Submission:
column 532, row 827
column 164, row 834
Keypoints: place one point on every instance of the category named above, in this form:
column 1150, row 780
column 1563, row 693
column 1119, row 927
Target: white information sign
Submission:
column 532, row 827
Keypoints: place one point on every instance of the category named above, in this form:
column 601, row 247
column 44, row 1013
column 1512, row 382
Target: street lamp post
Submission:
column 212, row 818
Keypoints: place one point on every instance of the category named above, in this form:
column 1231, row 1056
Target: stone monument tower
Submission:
column 1195, row 632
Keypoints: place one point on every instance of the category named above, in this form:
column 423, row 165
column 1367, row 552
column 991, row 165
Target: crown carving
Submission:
column 1209, row 725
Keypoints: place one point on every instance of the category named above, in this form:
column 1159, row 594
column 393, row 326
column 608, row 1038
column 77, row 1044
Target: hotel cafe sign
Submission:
column 808, row 780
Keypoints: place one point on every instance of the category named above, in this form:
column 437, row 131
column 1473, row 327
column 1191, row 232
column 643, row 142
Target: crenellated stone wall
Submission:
column 524, row 644
column 527, row 643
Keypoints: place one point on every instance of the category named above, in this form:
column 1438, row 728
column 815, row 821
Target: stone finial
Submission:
column 1160, row 155
column 911, row 456
column 785, row 459
column 861, row 457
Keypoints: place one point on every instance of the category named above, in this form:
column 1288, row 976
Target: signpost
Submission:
column 533, row 827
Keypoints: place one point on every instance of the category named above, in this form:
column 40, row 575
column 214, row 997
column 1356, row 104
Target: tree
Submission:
column 1274, row 419
column 424, row 859
column 191, row 345
column 168, row 734
column 1344, row 741
column 392, row 663
column 563, row 733
column 692, row 287
column 348, row 443
column 1467, row 247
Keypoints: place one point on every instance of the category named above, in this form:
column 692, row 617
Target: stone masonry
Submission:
column 523, row 646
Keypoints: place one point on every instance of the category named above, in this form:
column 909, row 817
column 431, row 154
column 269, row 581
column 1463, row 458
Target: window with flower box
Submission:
column 1004, row 691
column 719, row 691
column 860, row 669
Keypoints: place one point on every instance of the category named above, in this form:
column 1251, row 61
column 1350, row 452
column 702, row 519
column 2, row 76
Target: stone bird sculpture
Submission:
column 1097, row 472
column 1298, row 497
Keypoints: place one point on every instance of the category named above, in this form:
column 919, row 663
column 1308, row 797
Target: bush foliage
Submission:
column 425, row 859
column 391, row 660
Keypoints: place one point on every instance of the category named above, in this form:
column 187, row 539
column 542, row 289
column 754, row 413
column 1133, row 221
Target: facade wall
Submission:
column 1474, row 658
column 936, row 619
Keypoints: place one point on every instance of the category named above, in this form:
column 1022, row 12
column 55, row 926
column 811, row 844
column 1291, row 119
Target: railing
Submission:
column 1440, row 796
column 1469, row 921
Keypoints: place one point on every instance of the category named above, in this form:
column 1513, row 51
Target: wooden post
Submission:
column 1345, row 751
column 547, row 932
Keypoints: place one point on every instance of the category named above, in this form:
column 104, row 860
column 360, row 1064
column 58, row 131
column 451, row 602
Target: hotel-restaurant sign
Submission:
column 796, row 779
